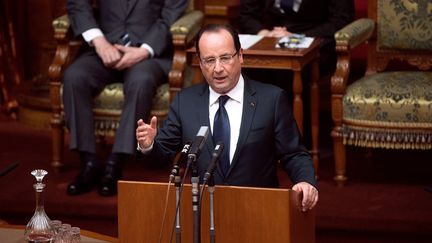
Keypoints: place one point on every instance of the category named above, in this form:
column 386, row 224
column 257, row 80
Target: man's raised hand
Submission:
column 146, row 133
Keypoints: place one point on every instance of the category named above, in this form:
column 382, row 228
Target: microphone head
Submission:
column 179, row 159
column 203, row 131
column 215, row 158
column 199, row 141
column 218, row 149
column 186, row 147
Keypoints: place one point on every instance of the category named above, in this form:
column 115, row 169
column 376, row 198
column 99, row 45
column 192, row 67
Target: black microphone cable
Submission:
column 8, row 168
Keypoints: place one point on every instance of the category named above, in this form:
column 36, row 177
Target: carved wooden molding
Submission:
column 422, row 63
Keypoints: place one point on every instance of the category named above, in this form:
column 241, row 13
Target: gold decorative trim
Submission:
column 106, row 127
column 423, row 63
column 388, row 138
column 367, row 124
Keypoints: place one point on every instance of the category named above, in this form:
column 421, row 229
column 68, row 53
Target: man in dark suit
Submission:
column 314, row 18
column 262, row 130
column 129, row 41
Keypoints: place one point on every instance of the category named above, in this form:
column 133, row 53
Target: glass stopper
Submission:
column 39, row 175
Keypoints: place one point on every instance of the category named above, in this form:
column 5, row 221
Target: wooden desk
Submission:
column 15, row 233
column 264, row 55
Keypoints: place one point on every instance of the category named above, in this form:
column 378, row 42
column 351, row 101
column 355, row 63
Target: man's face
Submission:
column 220, row 63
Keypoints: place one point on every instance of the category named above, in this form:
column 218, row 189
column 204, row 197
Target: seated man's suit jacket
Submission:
column 268, row 134
column 314, row 18
column 146, row 21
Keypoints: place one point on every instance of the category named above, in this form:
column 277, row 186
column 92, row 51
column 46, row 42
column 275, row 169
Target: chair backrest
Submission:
column 196, row 5
column 403, row 32
column 191, row 6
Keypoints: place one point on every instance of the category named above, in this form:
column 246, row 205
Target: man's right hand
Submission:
column 146, row 133
column 106, row 51
column 279, row 32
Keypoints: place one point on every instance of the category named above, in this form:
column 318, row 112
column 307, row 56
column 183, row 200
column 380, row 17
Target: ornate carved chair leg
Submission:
column 57, row 146
column 340, row 158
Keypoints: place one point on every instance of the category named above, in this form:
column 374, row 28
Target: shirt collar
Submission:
column 236, row 93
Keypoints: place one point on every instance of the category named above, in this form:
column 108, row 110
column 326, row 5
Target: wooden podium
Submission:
column 242, row 214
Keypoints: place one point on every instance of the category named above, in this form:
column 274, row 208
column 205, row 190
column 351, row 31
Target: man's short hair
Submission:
column 216, row 28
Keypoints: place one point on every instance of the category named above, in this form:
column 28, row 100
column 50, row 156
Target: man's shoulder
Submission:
column 193, row 90
column 261, row 86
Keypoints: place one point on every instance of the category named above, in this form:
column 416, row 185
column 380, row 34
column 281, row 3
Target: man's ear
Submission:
column 240, row 55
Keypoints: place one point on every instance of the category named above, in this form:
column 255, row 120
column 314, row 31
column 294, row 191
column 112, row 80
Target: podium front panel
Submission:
column 242, row 214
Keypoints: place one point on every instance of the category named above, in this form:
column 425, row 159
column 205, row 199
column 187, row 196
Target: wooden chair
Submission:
column 10, row 74
column 391, row 106
column 107, row 105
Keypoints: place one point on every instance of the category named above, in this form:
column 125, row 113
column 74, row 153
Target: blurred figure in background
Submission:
column 314, row 18
column 129, row 41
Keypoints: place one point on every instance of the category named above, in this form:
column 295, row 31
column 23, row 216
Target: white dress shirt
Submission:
column 90, row 34
column 234, row 108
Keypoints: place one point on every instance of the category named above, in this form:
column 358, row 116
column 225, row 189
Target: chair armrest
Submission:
column 185, row 28
column 354, row 34
column 183, row 31
column 66, row 48
column 347, row 38
column 61, row 35
column 61, row 27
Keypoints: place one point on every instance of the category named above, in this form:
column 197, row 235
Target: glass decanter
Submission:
column 39, row 229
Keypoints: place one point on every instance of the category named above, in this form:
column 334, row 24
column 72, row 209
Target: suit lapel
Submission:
column 130, row 4
column 249, row 107
column 121, row 6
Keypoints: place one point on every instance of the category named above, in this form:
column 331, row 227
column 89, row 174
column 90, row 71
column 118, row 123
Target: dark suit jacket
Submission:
column 146, row 21
column 316, row 18
column 268, row 133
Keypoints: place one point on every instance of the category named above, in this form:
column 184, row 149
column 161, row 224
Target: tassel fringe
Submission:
column 387, row 138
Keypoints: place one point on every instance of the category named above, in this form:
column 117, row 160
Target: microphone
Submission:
column 199, row 142
column 8, row 168
column 215, row 158
column 194, row 151
column 182, row 157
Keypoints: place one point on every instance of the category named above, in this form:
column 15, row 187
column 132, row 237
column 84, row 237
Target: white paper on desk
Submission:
column 247, row 41
column 305, row 43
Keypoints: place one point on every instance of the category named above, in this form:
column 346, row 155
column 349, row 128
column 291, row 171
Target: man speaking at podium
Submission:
column 252, row 119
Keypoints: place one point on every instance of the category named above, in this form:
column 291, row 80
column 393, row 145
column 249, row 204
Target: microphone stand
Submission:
column 195, row 200
column 177, row 183
column 211, row 189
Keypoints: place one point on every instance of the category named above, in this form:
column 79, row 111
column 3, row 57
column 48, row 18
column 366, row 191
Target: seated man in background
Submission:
column 128, row 41
column 252, row 119
column 314, row 18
